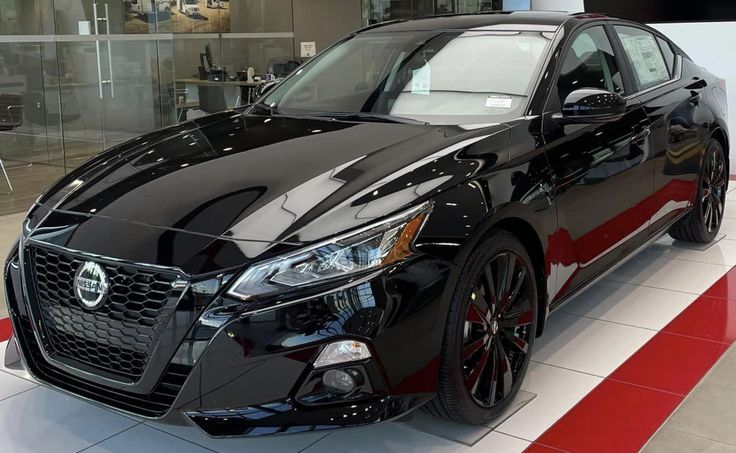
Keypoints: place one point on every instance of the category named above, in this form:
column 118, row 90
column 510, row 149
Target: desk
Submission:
column 247, row 89
column 242, row 83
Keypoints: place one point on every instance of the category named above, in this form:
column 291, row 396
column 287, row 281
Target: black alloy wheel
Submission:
column 702, row 223
column 497, row 329
column 489, row 335
column 713, row 191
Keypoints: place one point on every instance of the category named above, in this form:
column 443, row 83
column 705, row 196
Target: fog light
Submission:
column 341, row 352
column 338, row 382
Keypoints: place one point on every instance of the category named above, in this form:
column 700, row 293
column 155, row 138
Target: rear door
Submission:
column 671, row 103
column 603, row 172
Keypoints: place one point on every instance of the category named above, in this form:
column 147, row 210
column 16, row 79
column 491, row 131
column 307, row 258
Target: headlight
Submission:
column 369, row 248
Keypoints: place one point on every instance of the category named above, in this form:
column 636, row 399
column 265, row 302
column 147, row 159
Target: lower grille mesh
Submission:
column 155, row 404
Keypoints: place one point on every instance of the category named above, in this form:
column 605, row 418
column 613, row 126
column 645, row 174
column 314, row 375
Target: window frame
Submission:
column 663, row 42
column 677, row 68
column 566, row 47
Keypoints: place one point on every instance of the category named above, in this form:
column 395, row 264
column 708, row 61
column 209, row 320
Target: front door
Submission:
column 603, row 172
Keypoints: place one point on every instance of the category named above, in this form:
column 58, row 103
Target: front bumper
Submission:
column 242, row 372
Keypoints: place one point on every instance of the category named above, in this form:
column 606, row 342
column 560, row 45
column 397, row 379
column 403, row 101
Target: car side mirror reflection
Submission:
column 265, row 88
column 592, row 105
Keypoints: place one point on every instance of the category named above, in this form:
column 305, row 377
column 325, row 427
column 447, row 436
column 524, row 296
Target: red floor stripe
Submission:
column 623, row 412
column 539, row 448
column 683, row 360
column 725, row 288
column 707, row 318
column 5, row 329
column 615, row 417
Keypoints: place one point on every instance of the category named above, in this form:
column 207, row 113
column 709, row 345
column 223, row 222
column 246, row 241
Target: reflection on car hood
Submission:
column 262, row 178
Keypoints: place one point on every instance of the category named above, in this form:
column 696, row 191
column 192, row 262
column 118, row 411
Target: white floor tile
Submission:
column 587, row 345
column 721, row 252
column 272, row 444
column 729, row 227
column 145, row 439
column 12, row 385
column 385, row 437
column 498, row 442
column 666, row 273
column 557, row 392
column 43, row 420
column 730, row 211
column 458, row 432
column 639, row 306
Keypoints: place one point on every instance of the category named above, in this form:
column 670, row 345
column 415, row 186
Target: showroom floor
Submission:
column 642, row 355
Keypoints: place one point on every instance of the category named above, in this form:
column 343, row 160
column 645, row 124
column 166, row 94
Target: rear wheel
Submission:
column 703, row 222
column 490, row 330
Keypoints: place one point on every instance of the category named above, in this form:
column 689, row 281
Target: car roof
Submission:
column 552, row 19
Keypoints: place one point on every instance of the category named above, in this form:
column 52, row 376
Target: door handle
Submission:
column 640, row 137
column 695, row 97
column 109, row 50
column 97, row 46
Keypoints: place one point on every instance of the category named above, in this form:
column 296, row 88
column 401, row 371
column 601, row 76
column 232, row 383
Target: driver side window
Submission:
column 590, row 63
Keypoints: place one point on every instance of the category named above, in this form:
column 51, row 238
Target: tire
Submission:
column 702, row 223
column 468, row 393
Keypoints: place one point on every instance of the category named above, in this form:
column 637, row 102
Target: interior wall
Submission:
column 572, row 6
column 26, row 17
column 255, row 16
column 666, row 11
column 324, row 21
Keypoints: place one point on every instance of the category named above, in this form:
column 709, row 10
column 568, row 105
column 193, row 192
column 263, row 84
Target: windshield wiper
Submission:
column 273, row 111
column 368, row 117
column 347, row 116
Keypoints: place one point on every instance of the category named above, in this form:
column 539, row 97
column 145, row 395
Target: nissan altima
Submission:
column 388, row 227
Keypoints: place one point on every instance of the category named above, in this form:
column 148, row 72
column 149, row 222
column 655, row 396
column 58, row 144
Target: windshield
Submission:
column 429, row 76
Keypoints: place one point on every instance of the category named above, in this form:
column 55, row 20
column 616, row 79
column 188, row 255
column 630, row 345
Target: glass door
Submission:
column 109, row 65
column 129, row 89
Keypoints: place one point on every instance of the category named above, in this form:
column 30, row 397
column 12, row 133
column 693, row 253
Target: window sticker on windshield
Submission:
column 498, row 102
column 421, row 79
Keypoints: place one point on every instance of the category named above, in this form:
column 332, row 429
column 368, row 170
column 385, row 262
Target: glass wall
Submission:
column 80, row 76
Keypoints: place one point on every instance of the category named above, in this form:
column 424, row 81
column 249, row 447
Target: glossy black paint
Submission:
column 209, row 197
column 591, row 105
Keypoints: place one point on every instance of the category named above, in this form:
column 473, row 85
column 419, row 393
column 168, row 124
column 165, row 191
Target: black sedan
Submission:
column 387, row 227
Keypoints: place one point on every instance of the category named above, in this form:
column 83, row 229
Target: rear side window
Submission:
column 644, row 55
column 589, row 63
column 669, row 56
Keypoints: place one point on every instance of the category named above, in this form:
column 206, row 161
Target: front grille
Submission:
column 120, row 336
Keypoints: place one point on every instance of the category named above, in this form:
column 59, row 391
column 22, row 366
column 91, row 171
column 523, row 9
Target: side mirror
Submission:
column 265, row 88
column 591, row 105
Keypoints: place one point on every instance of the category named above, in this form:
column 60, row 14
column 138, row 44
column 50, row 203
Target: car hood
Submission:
column 266, row 179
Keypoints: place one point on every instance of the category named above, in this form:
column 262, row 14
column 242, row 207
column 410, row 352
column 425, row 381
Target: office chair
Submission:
column 281, row 70
column 212, row 98
column 11, row 118
column 51, row 113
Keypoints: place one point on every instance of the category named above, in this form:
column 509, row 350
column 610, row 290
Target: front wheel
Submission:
column 702, row 223
column 490, row 330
